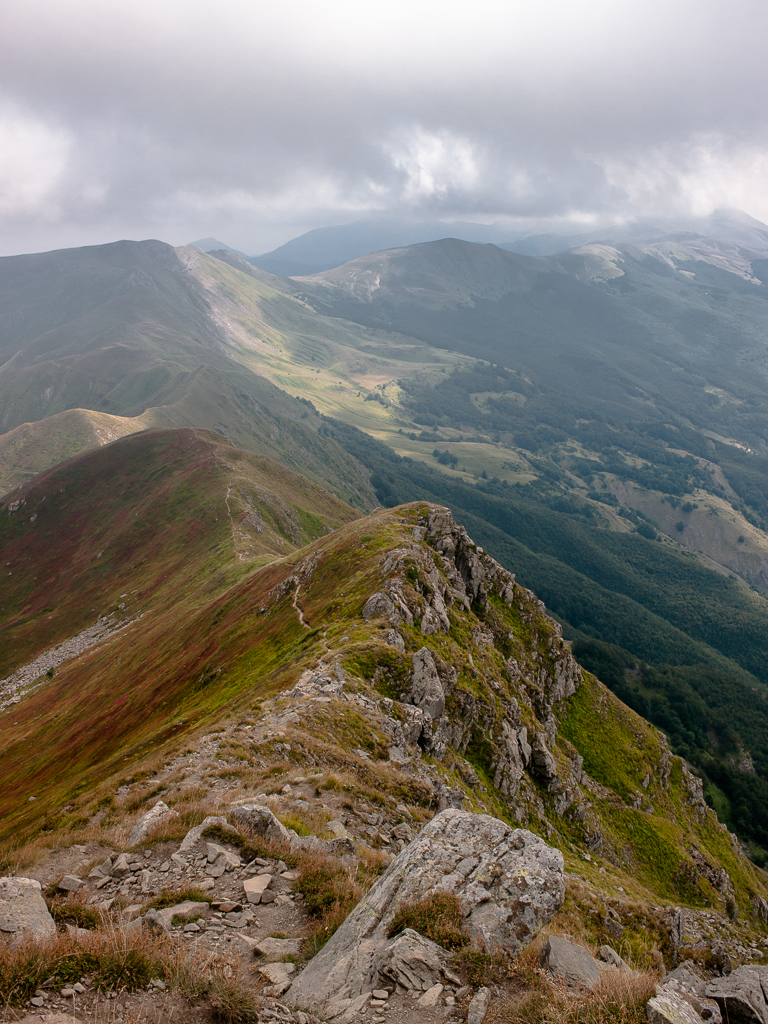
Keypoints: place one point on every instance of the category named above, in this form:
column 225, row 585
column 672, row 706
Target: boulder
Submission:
column 381, row 605
column 741, row 995
column 681, row 999
column 192, row 838
column 431, row 997
column 259, row 822
column 671, row 1008
column 148, row 822
column 509, row 882
column 478, row 1007
column 70, row 883
column 426, row 690
column 255, row 887
column 184, row 911
column 278, row 947
column 23, row 911
column 570, row 963
column 279, row 975
column 411, row 961
column 155, row 924
column 120, row 867
column 608, row 955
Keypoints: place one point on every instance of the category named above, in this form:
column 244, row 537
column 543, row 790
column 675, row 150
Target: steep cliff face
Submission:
column 465, row 690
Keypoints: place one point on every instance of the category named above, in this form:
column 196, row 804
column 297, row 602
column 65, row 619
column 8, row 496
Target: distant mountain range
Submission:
column 326, row 248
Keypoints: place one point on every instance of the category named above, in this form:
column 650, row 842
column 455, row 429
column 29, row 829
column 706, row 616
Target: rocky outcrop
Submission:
column 17, row 685
column 23, row 912
column 509, row 882
column 412, row 962
column 144, row 827
column 570, row 964
column 258, row 822
column 742, row 996
column 681, row 999
column 422, row 586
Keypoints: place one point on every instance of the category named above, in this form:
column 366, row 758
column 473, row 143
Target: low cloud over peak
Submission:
column 180, row 119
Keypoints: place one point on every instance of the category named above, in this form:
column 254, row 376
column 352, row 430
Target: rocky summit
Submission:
column 374, row 785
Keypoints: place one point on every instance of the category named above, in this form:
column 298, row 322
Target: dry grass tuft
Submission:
column 232, row 1002
column 331, row 891
column 113, row 958
column 620, row 998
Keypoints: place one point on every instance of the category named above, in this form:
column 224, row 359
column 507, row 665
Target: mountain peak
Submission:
column 212, row 244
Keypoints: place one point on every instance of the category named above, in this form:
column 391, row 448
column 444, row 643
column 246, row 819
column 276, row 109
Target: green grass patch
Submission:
column 76, row 914
column 170, row 897
column 439, row 917
column 249, row 848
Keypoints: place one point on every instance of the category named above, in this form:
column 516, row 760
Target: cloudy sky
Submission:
column 254, row 121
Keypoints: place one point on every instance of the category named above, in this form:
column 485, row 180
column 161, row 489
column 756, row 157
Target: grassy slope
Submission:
column 164, row 521
column 32, row 448
column 192, row 663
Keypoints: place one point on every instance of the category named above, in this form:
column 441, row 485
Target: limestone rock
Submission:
column 671, row 1008
column 154, row 923
column 23, row 912
column 411, row 961
column 255, row 887
column 412, row 723
column 426, row 690
column 478, row 1007
column 379, row 604
column 70, row 883
column 681, row 998
column 279, row 975
column 509, row 881
column 278, row 947
column 608, row 955
column 258, row 821
column 121, row 867
column 741, row 995
column 543, row 761
column 148, row 822
column 192, row 838
column 276, row 972
column 184, row 911
column 431, row 997
column 570, row 963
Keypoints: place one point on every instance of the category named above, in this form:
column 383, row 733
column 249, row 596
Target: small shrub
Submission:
column 113, row 959
column 618, row 999
column 473, row 967
column 330, row 892
column 323, row 886
column 292, row 821
column 170, row 897
column 231, row 1002
column 439, row 917
column 76, row 914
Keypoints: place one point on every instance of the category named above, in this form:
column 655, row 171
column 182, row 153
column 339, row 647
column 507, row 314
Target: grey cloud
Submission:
column 183, row 119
